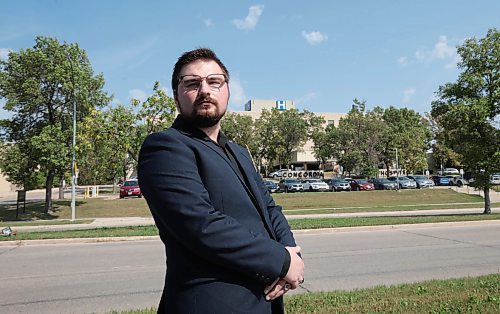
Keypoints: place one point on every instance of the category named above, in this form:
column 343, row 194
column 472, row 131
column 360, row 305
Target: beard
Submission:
column 203, row 118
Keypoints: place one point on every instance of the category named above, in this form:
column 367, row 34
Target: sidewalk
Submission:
column 148, row 221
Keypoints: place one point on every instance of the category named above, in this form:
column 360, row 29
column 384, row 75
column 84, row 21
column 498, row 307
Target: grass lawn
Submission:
column 296, row 224
column 465, row 295
column 327, row 201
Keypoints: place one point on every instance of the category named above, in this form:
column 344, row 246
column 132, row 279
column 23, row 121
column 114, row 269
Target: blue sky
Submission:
column 321, row 54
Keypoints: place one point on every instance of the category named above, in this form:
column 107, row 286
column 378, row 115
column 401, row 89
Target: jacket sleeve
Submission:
column 280, row 225
column 170, row 181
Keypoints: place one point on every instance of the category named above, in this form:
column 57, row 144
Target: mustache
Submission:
column 204, row 99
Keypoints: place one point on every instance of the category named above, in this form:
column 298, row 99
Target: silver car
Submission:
column 422, row 181
column 404, row 182
column 290, row 185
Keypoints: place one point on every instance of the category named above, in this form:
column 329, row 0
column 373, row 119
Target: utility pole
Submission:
column 73, row 163
column 397, row 169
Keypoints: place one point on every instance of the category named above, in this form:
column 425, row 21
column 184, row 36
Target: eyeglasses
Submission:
column 192, row 83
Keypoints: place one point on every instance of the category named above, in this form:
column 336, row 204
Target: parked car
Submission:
column 457, row 180
column 314, row 185
column 422, row 181
column 384, row 184
column 130, row 188
column 449, row 172
column 290, row 185
column 278, row 173
column 495, row 178
column 271, row 186
column 404, row 182
column 361, row 185
column 441, row 180
column 338, row 184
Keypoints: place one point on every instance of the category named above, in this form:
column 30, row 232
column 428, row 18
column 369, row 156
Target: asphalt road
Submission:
column 99, row 277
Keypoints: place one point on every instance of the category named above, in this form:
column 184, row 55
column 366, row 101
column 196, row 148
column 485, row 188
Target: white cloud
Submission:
column 254, row 13
column 304, row 99
column 238, row 97
column 137, row 94
column 314, row 38
column 442, row 51
column 208, row 23
column 4, row 53
column 408, row 94
column 403, row 61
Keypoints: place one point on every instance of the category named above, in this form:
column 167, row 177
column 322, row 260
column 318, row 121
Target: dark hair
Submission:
column 191, row 56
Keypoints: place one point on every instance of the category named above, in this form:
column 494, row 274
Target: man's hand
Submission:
column 295, row 274
column 276, row 289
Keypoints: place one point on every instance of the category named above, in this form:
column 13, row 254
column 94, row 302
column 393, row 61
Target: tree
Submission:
column 241, row 129
column 282, row 132
column 360, row 134
column 406, row 131
column 40, row 85
column 155, row 114
column 468, row 110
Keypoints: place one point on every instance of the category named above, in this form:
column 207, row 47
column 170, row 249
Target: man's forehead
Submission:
column 201, row 67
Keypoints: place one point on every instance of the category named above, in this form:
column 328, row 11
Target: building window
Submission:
column 331, row 122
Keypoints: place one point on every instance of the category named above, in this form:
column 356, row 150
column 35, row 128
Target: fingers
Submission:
column 280, row 288
column 268, row 288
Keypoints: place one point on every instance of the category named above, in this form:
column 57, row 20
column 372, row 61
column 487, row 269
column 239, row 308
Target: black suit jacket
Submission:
column 224, row 236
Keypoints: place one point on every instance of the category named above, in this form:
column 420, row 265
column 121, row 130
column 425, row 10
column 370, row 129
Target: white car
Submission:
column 315, row 185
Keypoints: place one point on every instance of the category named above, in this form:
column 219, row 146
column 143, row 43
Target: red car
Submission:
column 130, row 188
column 361, row 185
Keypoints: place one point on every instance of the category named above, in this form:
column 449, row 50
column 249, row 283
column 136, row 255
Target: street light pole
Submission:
column 73, row 163
column 397, row 168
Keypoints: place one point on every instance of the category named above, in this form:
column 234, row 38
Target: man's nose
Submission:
column 204, row 87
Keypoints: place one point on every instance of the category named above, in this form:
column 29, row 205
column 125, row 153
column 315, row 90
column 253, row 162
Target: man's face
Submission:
column 206, row 105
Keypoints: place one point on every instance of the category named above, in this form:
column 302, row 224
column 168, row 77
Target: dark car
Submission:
column 271, row 186
column 130, row 188
column 441, row 180
column 404, row 182
column 384, row 184
column 361, row 185
column 338, row 184
column 290, row 185
column 422, row 181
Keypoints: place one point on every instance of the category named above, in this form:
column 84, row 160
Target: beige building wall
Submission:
column 305, row 154
column 6, row 186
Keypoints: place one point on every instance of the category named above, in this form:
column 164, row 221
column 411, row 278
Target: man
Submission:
column 229, row 248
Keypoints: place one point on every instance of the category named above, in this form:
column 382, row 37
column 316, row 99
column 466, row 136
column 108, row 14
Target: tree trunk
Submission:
column 61, row 189
column 48, row 190
column 487, row 203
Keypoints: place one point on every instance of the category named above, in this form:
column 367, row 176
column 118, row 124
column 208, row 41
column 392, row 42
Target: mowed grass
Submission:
column 292, row 203
column 465, row 295
column 296, row 224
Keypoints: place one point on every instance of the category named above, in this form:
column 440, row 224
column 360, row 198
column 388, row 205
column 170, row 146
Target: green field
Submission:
column 292, row 204
column 465, row 295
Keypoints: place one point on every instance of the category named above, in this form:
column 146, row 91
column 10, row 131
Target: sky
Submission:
column 320, row 54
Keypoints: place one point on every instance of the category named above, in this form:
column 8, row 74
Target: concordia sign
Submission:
column 303, row 174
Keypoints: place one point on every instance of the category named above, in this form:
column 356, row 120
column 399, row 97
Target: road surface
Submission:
column 99, row 277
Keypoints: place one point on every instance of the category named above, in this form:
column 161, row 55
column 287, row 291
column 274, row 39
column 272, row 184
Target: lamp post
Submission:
column 397, row 169
column 73, row 163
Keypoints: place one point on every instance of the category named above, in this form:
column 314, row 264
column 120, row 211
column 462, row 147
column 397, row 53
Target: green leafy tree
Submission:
column 40, row 85
column 283, row 132
column 359, row 134
column 155, row 114
column 241, row 129
column 410, row 134
column 21, row 170
column 468, row 110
